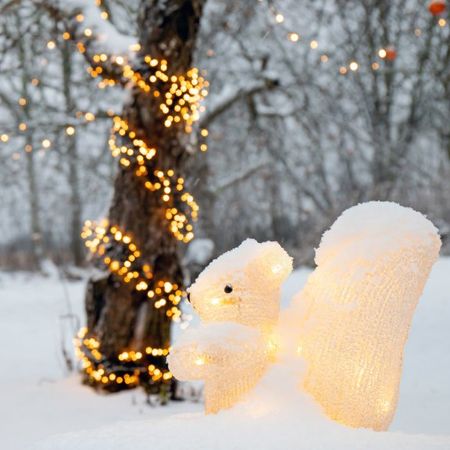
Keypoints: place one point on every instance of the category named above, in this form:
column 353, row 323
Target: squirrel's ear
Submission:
column 271, row 263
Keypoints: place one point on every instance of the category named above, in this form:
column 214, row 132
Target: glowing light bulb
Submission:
column 293, row 37
column 200, row 361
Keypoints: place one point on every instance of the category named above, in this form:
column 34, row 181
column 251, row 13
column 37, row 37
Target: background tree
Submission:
column 320, row 116
column 37, row 181
column 351, row 115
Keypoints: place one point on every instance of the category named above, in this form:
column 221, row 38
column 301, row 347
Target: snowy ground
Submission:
column 40, row 399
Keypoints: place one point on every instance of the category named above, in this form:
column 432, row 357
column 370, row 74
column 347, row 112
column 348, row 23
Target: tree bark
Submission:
column 120, row 317
column 72, row 158
column 34, row 201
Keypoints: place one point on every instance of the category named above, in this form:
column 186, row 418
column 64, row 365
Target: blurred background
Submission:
column 313, row 106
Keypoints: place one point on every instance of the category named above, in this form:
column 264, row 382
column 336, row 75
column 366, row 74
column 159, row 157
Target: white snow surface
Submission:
column 43, row 407
column 239, row 257
column 371, row 229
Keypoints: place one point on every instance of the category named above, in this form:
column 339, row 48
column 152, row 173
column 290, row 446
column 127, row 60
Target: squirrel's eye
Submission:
column 228, row 289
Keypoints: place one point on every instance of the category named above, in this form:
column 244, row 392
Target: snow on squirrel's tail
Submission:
column 351, row 321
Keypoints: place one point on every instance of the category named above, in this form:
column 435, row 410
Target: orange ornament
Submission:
column 391, row 53
column 437, row 7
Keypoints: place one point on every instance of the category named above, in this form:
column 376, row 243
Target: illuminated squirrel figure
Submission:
column 237, row 298
column 349, row 323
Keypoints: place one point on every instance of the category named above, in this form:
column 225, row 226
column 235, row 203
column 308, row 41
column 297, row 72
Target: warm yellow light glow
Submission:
column 70, row 131
column 46, row 143
column 135, row 47
column 277, row 268
column 51, row 45
column 199, row 361
column 354, row 66
column 279, row 18
column 314, row 44
column 382, row 53
column 179, row 97
column 293, row 37
column 354, row 314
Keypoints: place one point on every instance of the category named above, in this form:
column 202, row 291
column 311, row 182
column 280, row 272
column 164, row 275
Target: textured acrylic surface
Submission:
column 242, row 287
column 229, row 357
column 354, row 313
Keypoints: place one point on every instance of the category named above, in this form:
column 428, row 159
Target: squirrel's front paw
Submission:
column 204, row 352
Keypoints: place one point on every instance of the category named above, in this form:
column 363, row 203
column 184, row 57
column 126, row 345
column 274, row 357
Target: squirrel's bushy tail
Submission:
column 351, row 321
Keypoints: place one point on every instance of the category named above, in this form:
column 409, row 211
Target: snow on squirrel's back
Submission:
column 369, row 230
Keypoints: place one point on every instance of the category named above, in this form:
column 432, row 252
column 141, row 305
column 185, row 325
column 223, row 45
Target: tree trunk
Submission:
column 72, row 158
column 34, row 204
column 118, row 315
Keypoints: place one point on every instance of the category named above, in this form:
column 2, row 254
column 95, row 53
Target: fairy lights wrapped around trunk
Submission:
column 179, row 98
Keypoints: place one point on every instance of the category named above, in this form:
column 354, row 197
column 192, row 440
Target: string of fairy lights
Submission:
column 170, row 187
column 130, row 269
column 388, row 54
column 87, row 349
column 179, row 98
column 437, row 9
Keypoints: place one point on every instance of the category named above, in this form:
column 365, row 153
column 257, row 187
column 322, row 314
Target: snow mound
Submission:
column 372, row 229
column 277, row 415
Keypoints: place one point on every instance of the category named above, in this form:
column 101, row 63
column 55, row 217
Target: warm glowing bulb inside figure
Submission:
column 199, row 361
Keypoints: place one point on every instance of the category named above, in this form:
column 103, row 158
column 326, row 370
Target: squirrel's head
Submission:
column 242, row 285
